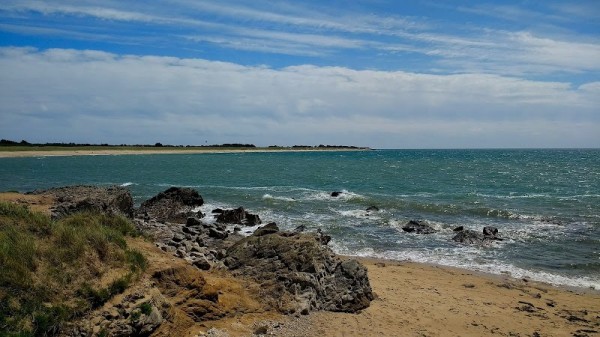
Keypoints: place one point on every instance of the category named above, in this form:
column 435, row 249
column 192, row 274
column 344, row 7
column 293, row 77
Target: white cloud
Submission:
column 291, row 28
column 92, row 96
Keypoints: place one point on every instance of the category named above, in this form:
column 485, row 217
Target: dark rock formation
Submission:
column 458, row 229
column 238, row 216
column 299, row 274
column 490, row 231
column 73, row 199
column 372, row 209
column 174, row 204
column 418, row 227
column 300, row 229
column 336, row 194
column 468, row 236
column 472, row 237
column 269, row 228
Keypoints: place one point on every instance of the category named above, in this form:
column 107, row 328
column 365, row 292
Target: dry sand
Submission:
column 425, row 300
column 63, row 153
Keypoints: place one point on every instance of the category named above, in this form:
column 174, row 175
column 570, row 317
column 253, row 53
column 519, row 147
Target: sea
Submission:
column 544, row 202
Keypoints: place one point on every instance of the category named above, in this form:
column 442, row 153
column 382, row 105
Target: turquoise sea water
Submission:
column 546, row 203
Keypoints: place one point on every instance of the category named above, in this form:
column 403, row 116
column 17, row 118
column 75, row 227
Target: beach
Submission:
column 410, row 299
column 7, row 153
column 427, row 300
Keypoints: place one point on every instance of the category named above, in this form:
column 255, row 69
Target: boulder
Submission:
column 490, row 231
column 468, row 236
column 298, row 274
column 238, row 216
column 372, row 209
column 172, row 205
column 472, row 237
column 73, row 199
column 418, row 227
column 266, row 229
column 336, row 194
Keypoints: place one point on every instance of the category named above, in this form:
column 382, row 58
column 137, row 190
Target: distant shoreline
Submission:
column 98, row 151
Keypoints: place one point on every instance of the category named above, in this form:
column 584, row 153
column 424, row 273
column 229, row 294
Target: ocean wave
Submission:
column 127, row 184
column 345, row 195
column 280, row 198
column 357, row 213
column 472, row 261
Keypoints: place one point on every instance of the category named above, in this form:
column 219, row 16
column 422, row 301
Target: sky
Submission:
column 379, row 73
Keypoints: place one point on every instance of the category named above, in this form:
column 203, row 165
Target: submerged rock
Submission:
column 372, row 209
column 472, row 237
column 299, row 274
column 418, row 227
column 336, row 194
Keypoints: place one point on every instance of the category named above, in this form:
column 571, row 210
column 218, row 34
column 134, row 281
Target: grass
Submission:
column 50, row 270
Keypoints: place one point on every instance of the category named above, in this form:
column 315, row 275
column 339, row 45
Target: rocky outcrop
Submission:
column 238, row 216
column 174, row 205
column 300, row 274
column 468, row 236
column 73, row 199
column 336, row 194
column 136, row 314
column 200, row 243
column 418, row 227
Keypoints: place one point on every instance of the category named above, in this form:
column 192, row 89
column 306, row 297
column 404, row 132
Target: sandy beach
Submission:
column 150, row 150
column 424, row 300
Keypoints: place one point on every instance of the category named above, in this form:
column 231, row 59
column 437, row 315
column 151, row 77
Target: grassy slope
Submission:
column 56, row 271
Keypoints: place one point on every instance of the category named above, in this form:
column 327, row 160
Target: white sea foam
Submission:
column 280, row 198
column 127, row 184
column 345, row 195
column 469, row 258
column 357, row 213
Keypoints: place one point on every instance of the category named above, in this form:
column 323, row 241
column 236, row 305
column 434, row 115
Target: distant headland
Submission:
column 9, row 148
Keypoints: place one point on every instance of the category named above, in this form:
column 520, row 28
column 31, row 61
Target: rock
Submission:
column 252, row 220
column 202, row 263
column 172, row 205
column 217, row 234
column 299, row 274
column 418, row 227
column 238, row 216
column 193, row 222
column 468, row 236
column 300, row 229
column 372, row 209
column 73, row 199
column 336, row 194
column 266, row 229
column 490, row 231
column 458, row 229
column 217, row 211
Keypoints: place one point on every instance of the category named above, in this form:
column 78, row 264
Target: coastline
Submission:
column 411, row 299
column 141, row 151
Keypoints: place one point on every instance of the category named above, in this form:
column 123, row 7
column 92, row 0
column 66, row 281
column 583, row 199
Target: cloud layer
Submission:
column 95, row 96
column 507, row 39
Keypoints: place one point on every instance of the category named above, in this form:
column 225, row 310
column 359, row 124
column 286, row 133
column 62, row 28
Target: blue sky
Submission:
column 385, row 74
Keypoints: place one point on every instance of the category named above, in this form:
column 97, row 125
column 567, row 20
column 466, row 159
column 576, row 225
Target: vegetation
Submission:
column 54, row 271
column 9, row 145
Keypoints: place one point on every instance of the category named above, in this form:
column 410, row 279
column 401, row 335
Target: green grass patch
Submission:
column 48, row 268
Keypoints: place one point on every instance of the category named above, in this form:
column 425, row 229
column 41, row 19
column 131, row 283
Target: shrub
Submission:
column 42, row 262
